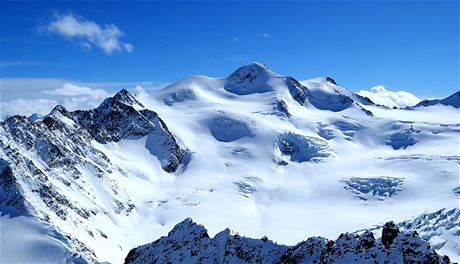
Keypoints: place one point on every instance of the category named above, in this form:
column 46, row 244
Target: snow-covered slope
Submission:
column 258, row 152
column 27, row 240
column 190, row 243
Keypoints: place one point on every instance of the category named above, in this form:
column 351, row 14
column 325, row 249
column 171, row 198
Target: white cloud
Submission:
column 88, row 33
column 236, row 39
column 25, row 96
column 71, row 96
column 140, row 91
column 69, row 89
column 265, row 35
column 128, row 47
column 26, row 107
column 380, row 95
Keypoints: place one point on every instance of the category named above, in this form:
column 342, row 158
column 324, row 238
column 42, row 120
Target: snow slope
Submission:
column 27, row 240
column 257, row 152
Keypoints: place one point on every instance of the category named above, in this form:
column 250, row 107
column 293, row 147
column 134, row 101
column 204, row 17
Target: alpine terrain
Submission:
column 262, row 154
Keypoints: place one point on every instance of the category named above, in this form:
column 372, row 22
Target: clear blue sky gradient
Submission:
column 410, row 45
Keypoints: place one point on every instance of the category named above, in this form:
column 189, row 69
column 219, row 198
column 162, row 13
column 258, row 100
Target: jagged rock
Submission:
column 319, row 98
column 116, row 118
column 10, row 191
column 389, row 233
column 190, row 243
column 297, row 90
column 364, row 100
column 44, row 160
column 281, row 108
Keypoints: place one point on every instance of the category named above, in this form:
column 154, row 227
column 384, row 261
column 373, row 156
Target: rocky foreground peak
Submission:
column 189, row 242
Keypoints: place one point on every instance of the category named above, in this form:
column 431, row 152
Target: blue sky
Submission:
column 410, row 45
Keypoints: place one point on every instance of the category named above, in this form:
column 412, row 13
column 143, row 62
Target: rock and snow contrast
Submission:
column 257, row 152
column 190, row 243
column 453, row 100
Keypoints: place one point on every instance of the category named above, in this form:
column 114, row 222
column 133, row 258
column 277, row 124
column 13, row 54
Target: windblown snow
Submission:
column 257, row 152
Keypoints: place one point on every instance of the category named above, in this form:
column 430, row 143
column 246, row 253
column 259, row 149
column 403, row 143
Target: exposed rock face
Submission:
column 322, row 99
column 297, row 90
column 52, row 169
column 441, row 228
column 329, row 79
column 62, row 143
column 389, row 233
column 117, row 118
column 364, row 100
column 10, row 190
column 281, row 108
column 190, row 243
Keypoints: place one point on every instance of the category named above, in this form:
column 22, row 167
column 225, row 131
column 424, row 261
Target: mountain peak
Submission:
column 126, row 97
column 60, row 109
column 254, row 68
column 249, row 79
column 259, row 65
column 188, row 228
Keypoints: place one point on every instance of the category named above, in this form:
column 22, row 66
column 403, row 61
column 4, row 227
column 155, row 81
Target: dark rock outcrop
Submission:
column 389, row 232
column 190, row 243
column 117, row 118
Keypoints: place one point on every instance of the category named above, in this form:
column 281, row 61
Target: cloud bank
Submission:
column 69, row 89
column 380, row 95
column 88, row 34
column 71, row 96
column 27, row 96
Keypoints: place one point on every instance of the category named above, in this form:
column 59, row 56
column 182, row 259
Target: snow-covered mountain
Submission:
column 260, row 153
column 453, row 100
column 189, row 242
column 57, row 169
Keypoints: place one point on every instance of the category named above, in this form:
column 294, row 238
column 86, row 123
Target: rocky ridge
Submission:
column 189, row 242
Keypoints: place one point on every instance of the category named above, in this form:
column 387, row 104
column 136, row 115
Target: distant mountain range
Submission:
column 453, row 100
